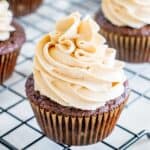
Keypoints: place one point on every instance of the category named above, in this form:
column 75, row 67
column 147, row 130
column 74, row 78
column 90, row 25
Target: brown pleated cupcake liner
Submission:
column 7, row 64
column 76, row 130
column 24, row 7
column 134, row 49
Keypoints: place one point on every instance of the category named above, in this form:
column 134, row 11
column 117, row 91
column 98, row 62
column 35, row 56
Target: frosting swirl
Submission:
column 5, row 21
column 75, row 68
column 132, row 13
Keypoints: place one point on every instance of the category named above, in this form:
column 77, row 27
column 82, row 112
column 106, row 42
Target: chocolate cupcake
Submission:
column 78, row 89
column 12, row 37
column 24, row 7
column 126, row 27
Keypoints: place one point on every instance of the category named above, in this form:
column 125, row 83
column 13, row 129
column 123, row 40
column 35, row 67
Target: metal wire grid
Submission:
column 48, row 13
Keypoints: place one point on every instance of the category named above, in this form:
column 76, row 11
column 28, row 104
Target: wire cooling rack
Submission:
column 18, row 127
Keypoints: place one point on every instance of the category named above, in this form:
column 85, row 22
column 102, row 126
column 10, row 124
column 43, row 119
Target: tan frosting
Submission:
column 132, row 13
column 74, row 67
column 5, row 21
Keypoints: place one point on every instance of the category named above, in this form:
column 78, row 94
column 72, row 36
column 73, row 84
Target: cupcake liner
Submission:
column 7, row 64
column 134, row 49
column 23, row 7
column 76, row 130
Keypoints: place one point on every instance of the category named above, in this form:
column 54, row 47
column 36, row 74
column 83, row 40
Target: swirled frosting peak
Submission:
column 5, row 21
column 75, row 68
column 132, row 13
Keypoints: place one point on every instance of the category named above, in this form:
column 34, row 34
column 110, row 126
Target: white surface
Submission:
column 45, row 144
column 137, row 116
column 7, row 123
column 8, row 98
column 23, row 110
column 3, row 147
column 22, row 136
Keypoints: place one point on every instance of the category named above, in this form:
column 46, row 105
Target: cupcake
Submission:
column 12, row 37
column 78, row 89
column 24, row 7
column 126, row 27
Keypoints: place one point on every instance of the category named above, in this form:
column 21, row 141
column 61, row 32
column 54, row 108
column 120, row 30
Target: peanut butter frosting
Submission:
column 5, row 21
column 132, row 13
column 74, row 67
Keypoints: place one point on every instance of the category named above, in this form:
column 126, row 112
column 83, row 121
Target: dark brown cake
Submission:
column 107, row 25
column 24, row 7
column 133, row 45
column 9, row 51
column 47, row 103
column 74, row 126
column 17, row 38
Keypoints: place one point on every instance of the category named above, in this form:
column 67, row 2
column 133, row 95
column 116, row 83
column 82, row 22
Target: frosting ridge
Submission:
column 5, row 21
column 74, row 67
column 132, row 13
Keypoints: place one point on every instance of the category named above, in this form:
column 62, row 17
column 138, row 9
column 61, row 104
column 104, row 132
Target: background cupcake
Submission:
column 78, row 89
column 126, row 26
column 12, row 37
column 24, row 7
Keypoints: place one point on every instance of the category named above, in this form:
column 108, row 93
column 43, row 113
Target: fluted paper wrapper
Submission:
column 7, row 64
column 75, row 130
column 134, row 49
column 24, row 7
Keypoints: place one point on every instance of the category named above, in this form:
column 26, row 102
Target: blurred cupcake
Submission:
column 126, row 27
column 24, row 7
column 12, row 37
column 78, row 89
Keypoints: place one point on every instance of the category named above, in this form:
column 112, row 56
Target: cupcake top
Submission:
column 5, row 21
column 74, row 67
column 131, row 13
